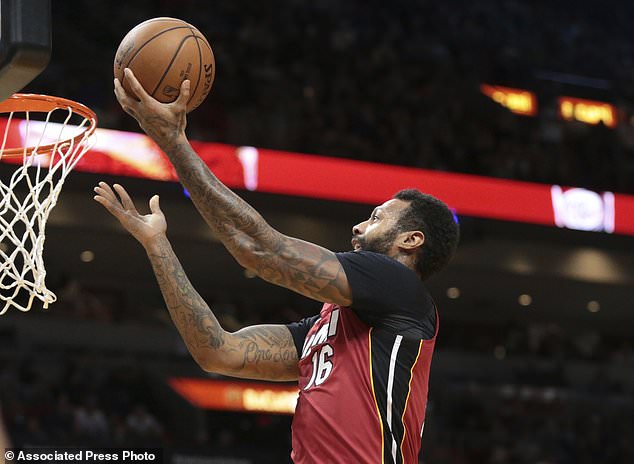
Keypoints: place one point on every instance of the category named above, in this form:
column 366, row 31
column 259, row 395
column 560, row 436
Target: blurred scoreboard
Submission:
column 524, row 102
column 517, row 100
column 588, row 111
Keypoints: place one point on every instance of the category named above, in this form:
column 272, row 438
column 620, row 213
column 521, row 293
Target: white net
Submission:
column 46, row 153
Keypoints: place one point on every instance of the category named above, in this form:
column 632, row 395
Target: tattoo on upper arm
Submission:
column 267, row 350
column 264, row 352
column 306, row 268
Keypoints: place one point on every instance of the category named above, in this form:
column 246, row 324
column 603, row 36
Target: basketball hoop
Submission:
column 46, row 137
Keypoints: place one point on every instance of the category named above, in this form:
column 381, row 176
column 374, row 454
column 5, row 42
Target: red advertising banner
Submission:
column 133, row 154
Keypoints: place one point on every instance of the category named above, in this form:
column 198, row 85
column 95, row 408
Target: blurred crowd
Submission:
column 393, row 83
column 518, row 413
column 476, row 423
column 525, row 393
column 537, row 340
column 75, row 401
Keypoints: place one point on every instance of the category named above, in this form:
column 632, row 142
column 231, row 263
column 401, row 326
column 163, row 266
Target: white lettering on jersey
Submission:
column 324, row 332
column 322, row 366
column 332, row 324
column 322, row 358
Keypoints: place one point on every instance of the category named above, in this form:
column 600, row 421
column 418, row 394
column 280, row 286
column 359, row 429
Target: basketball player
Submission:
column 363, row 362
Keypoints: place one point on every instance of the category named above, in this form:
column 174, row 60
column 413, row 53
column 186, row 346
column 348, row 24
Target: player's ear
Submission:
column 411, row 240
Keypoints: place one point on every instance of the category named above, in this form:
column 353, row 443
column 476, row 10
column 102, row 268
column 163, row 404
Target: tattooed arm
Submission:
column 265, row 352
column 304, row 267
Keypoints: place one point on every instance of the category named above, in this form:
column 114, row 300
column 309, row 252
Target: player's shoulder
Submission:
column 367, row 268
column 374, row 261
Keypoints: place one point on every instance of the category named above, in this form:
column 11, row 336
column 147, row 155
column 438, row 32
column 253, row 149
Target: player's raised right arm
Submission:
column 301, row 266
column 265, row 352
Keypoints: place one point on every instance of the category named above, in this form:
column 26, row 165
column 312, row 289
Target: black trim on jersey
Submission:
column 382, row 347
column 299, row 331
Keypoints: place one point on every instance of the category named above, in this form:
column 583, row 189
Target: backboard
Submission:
column 25, row 42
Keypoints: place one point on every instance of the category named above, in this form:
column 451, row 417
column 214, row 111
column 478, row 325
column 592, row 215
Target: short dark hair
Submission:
column 434, row 219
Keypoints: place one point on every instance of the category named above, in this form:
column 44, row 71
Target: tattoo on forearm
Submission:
column 193, row 318
column 265, row 352
column 249, row 238
column 162, row 130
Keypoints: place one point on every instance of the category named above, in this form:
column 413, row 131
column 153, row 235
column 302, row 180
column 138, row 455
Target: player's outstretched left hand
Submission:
column 144, row 228
column 163, row 122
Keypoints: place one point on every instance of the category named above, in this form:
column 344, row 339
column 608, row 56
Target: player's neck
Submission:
column 406, row 259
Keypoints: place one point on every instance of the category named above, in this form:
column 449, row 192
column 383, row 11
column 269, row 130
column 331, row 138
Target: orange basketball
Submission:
column 162, row 53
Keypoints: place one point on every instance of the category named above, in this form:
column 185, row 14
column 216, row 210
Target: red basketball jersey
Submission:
column 363, row 393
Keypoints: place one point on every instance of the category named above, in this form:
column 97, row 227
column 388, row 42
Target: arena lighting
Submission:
column 87, row 256
column 453, row 292
column 228, row 395
column 517, row 101
column 593, row 306
column 520, row 263
column 525, row 299
column 587, row 111
column 130, row 154
column 592, row 265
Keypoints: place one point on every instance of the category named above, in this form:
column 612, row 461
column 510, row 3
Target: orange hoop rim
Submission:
column 31, row 102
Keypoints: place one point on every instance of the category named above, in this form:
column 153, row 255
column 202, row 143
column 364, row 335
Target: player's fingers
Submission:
column 126, row 201
column 135, row 86
column 105, row 191
column 127, row 103
column 107, row 198
column 154, row 205
column 113, row 208
column 183, row 96
column 102, row 193
column 120, row 92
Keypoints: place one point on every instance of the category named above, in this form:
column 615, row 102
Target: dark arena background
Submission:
column 518, row 114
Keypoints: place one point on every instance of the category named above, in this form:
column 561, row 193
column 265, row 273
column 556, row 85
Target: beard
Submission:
column 382, row 244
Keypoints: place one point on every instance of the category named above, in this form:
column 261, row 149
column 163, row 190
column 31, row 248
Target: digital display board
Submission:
column 587, row 111
column 517, row 100
column 120, row 153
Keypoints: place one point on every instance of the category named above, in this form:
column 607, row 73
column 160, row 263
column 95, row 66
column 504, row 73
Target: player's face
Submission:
column 378, row 233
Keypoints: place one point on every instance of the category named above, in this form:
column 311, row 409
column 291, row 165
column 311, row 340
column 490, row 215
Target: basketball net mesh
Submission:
column 51, row 150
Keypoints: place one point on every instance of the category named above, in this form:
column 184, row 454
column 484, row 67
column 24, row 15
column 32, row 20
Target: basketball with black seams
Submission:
column 162, row 53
